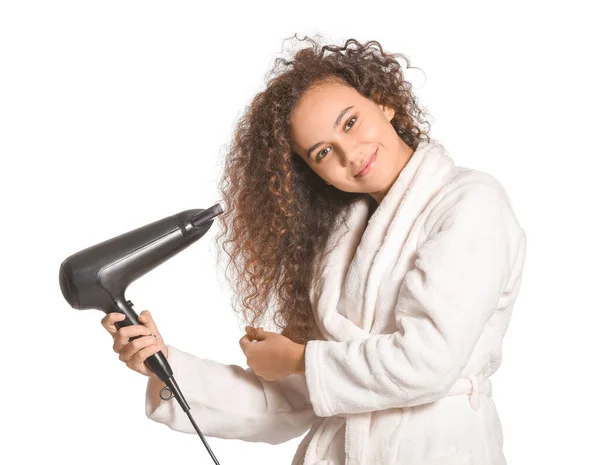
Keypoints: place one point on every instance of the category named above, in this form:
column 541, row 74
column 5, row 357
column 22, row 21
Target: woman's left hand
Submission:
column 273, row 356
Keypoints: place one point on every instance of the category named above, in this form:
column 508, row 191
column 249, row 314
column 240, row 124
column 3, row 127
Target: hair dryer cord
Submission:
column 168, row 394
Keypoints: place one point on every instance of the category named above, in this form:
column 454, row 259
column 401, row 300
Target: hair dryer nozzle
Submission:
column 206, row 215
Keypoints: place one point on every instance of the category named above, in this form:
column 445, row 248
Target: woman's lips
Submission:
column 369, row 165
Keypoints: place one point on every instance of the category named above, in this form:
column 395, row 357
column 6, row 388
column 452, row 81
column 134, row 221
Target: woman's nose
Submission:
column 349, row 153
column 353, row 157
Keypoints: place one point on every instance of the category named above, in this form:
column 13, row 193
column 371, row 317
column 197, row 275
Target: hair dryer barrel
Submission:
column 92, row 278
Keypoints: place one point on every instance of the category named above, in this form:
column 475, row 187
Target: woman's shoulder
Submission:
column 472, row 180
column 468, row 183
column 471, row 194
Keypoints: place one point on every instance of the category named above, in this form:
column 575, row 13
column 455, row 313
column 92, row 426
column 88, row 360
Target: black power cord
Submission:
column 168, row 395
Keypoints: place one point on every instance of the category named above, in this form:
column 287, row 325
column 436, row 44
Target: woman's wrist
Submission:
column 299, row 365
column 154, row 387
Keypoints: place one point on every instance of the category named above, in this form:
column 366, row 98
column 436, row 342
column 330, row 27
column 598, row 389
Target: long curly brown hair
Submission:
column 278, row 212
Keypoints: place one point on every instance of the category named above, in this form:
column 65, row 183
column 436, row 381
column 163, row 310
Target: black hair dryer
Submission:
column 97, row 277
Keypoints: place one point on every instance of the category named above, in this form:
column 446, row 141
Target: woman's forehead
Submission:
column 320, row 108
column 327, row 96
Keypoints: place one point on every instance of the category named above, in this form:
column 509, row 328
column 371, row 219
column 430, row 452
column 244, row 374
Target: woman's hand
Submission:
column 273, row 356
column 135, row 343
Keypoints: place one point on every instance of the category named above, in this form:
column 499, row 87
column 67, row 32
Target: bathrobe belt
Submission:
column 358, row 425
column 473, row 387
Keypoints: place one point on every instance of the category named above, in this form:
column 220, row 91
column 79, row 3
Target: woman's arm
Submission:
column 230, row 402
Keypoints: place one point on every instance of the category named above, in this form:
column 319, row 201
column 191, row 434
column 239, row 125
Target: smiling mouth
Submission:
column 366, row 163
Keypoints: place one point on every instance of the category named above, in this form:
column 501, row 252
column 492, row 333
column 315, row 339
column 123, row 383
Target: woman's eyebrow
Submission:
column 335, row 125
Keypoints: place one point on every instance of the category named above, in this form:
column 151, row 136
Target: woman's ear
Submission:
column 389, row 112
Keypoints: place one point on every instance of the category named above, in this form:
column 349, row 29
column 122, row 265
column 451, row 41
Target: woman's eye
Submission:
column 353, row 119
column 320, row 154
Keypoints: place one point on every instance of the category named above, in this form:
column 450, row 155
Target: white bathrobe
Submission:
column 411, row 306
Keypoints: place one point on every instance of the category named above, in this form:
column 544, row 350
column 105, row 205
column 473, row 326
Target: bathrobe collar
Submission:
column 347, row 287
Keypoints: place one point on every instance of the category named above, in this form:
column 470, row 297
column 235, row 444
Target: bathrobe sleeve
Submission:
column 230, row 402
column 461, row 270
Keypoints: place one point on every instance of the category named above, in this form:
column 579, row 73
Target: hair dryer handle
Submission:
column 156, row 362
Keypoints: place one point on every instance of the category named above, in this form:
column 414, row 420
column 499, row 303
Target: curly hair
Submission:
column 278, row 212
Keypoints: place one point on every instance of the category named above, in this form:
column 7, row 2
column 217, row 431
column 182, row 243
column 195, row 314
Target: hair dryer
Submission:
column 97, row 277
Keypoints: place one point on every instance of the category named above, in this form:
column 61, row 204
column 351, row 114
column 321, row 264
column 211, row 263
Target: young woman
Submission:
column 392, row 275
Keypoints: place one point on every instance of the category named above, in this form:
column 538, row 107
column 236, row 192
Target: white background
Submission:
column 115, row 114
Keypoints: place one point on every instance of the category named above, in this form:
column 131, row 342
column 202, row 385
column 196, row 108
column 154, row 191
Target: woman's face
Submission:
column 335, row 130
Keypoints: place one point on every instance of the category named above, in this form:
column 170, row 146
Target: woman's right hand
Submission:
column 134, row 352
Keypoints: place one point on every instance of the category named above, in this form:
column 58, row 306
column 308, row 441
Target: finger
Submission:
column 133, row 330
column 147, row 320
column 137, row 361
column 125, row 335
column 108, row 322
column 244, row 341
column 260, row 334
column 135, row 346
column 251, row 332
